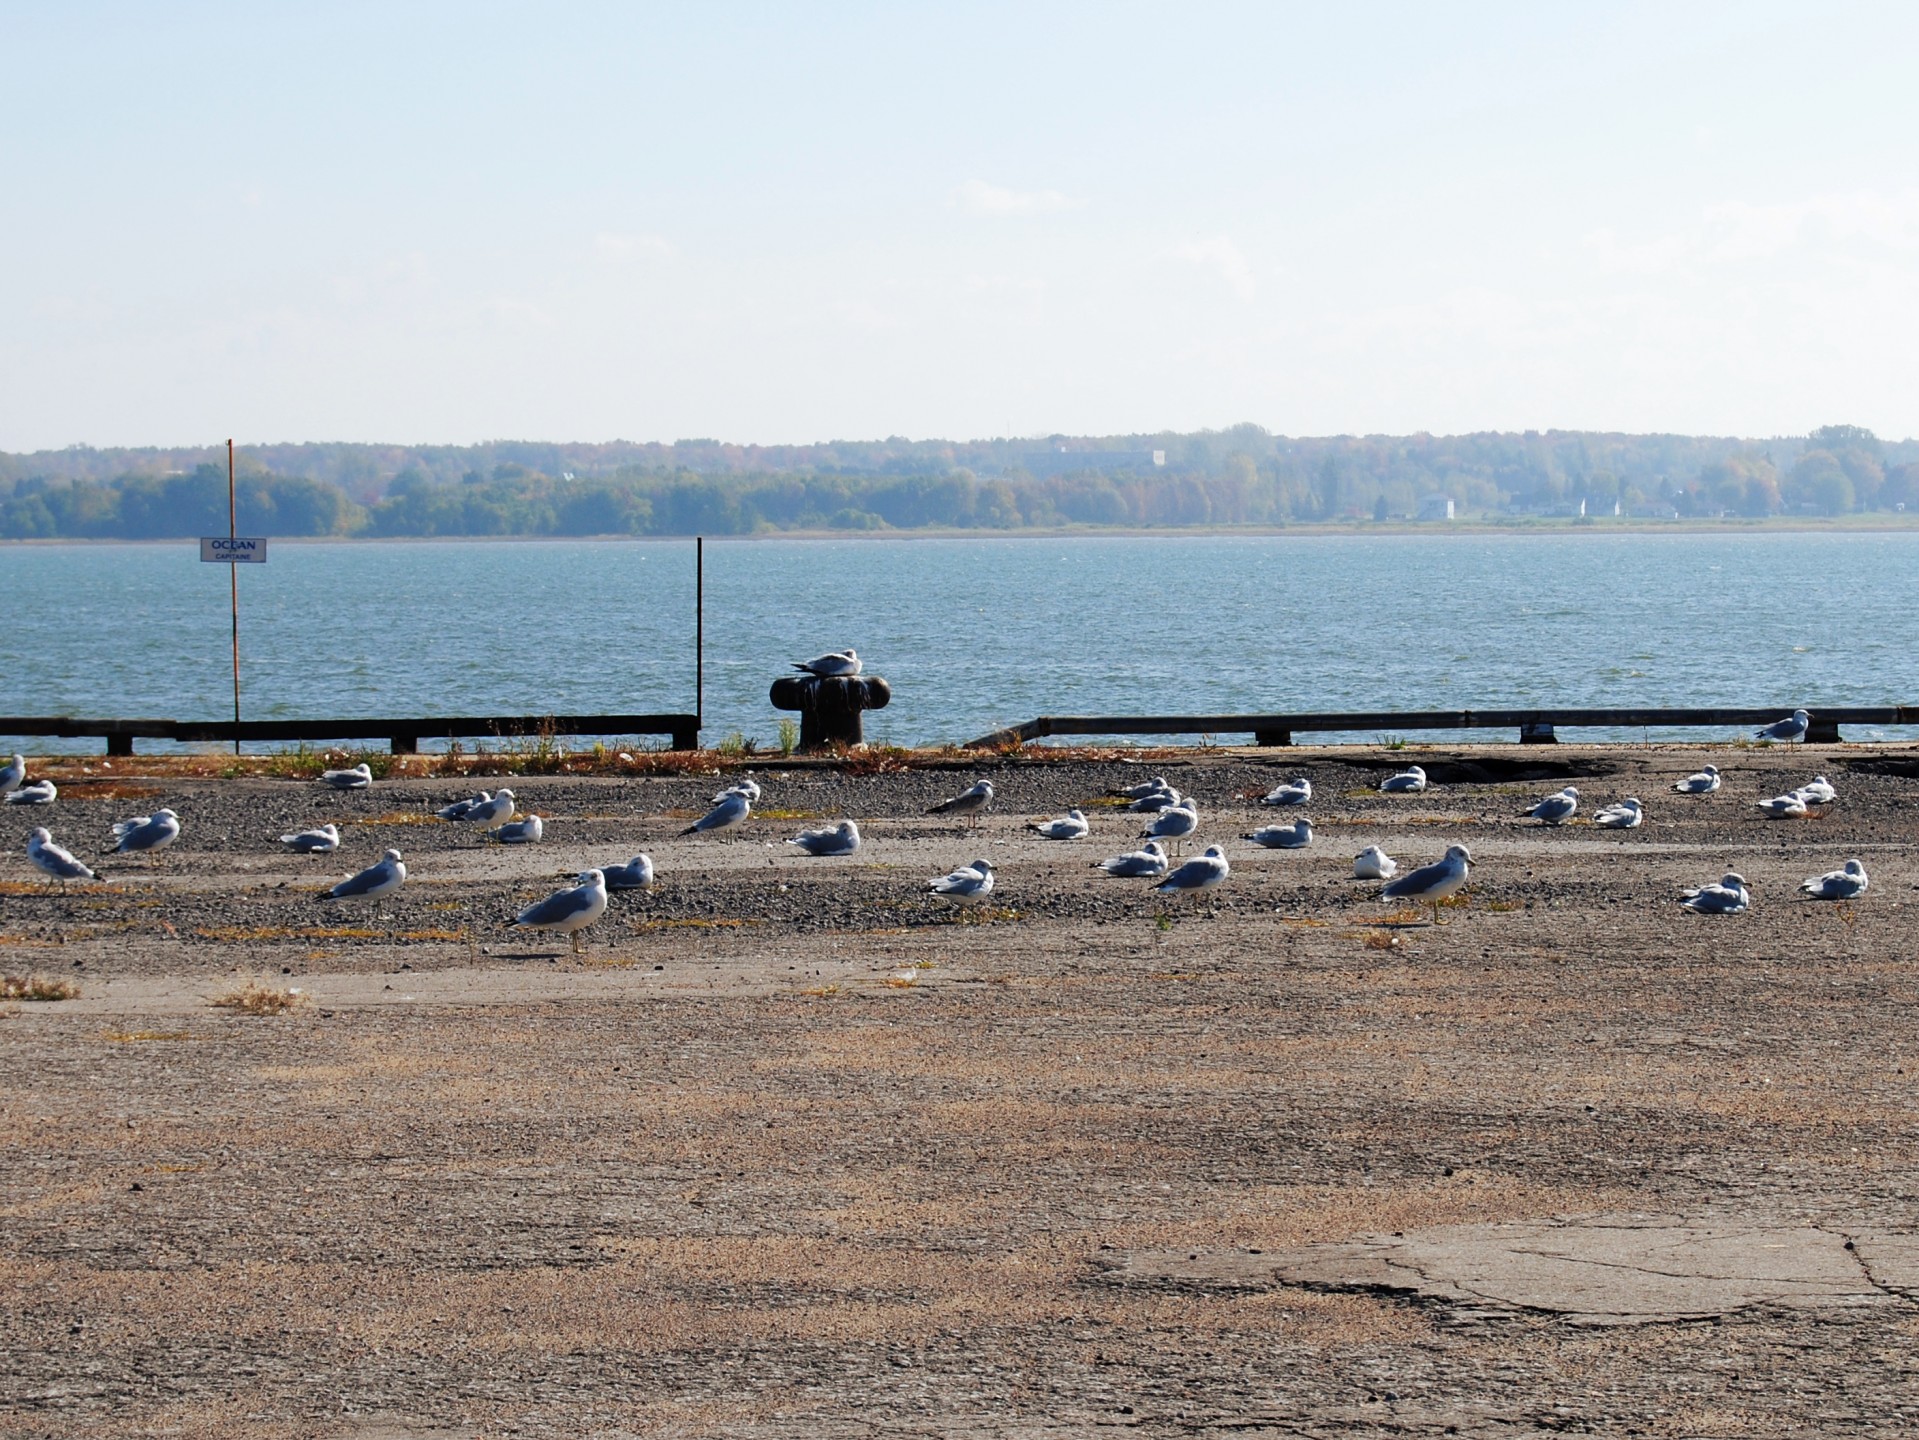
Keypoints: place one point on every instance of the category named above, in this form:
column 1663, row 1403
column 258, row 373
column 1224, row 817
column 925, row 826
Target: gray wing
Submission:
column 367, row 879
column 558, row 909
column 1416, row 882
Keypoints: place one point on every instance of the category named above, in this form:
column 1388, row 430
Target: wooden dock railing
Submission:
column 402, row 735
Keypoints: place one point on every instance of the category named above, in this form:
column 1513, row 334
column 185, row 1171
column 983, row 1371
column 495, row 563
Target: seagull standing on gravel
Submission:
column 1147, row 861
column 568, row 911
column 56, row 861
column 146, row 834
column 1845, row 884
column 636, row 874
column 1173, row 825
column 1702, row 781
column 1202, row 872
column 1296, row 836
column 12, row 776
column 527, row 830
column 314, row 842
column 969, row 884
column 732, row 808
column 840, row 839
column 1409, row 781
column 973, row 800
column 1433, row 883
column 489, row 813
column 1792, row 728
column 382, row 877
column 461, row 809
column 832, row 665
column 1728, row 897
column 1292, row 792
column 1554, row 809
column 40, row 792
column 1070, row 826
column 1373, row 863
column 358, row 778
column 1626, row 815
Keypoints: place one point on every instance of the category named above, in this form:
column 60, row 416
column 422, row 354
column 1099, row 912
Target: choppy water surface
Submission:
column 972, row 633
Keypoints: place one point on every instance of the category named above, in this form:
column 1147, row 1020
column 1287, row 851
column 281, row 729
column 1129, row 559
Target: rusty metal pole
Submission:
column 233, row 585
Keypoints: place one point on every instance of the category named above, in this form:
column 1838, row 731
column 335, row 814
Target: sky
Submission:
column 447, row 223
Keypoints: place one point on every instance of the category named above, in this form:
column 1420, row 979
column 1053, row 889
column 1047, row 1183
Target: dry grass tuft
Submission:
column 243, row 933
column 404, row 817
column 647, row 927
column 1380, row 940
column 253, row 998
column 37, row 987
column 129, row 1037
column 434, row 934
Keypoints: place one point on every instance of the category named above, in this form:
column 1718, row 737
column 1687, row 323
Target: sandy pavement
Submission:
column 793, row 1150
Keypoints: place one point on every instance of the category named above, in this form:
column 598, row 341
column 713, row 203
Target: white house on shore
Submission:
column 1436, row 507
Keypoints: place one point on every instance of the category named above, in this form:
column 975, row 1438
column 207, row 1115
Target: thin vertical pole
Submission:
column 699, row 628
column 233, row 578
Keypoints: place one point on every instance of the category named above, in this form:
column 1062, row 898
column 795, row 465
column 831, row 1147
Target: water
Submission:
column 972, row 634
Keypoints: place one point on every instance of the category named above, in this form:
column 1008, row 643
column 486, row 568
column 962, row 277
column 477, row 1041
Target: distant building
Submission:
column 1436, row 507
column 1061, row 461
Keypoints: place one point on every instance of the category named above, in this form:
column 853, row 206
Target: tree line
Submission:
column 1242, row 476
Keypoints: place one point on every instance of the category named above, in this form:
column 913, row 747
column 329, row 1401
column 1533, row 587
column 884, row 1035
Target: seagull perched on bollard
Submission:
column 1409, row 781
column 381, row 878
column 1554, row 809
column 1147, row 861
column 1848, row 883
column 1702, row 781
column 1373, row 863
column 146, row 834
column 1728, row 897
column 56, row 861
column 840, row 839
column 568, row 911
column 832, row 665
column 1292, row 792
column 1296, row 836
column 314, row 842
column 1792, row 728
column 1070, row 826
column 1433, row 883
column 636, row 874
column 358, row 778
column 973, row 801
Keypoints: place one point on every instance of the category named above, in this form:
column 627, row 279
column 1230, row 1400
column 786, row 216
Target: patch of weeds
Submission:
column 821, row 990
column 1498, row 907
column 780, row 814
column 253, row 998
column 302, row 762
column 130, row 1037
column 240, row 933
column 605, row 962
column 789, row 737
column 736, row 747
column 404, row 817
column 646, row 927
column 873, row 759
column 1163, row 922
column 37, row 987
column 431, row 934
column 1389, row 741
column 1456, row 902
column 1381, row 940
column 899, row 982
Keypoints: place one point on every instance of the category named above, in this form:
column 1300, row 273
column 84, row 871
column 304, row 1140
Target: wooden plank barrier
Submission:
column 403, row 735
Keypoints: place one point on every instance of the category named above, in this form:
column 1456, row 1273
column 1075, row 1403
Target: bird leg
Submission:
column 575, row 937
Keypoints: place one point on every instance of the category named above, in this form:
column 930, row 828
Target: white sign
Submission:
column 242, row 550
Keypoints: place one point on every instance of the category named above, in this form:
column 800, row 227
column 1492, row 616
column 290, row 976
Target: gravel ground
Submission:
column 792, row 1149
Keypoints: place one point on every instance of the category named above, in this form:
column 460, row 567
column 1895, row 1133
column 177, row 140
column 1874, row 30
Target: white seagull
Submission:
column 840, row 839
column 749, row 788
column 1292, row 792
column 527, row 830
column 40, row 792
column 568, row 911
column 1070, row 826
column 969, row 884
column 460, row 809
column 1409, row 781
column 1817, row 791
column 1155, row 802
column 489, row 813
column 314, row 842
column 1433, row 883
column 382, row 877
column 1174, row 824
column 1296, row 836
column 731, row 809
column 1141, row 790
column 1200, row 873
column 13, row 774
column 1147, row 861
column 1554, row 809
column 973, row 800
column 55, row 860
column 1728, row 897
column 1783, row 807
column 358, row 778
column 833, row 663
column 1702, row 781
column 146, row 834
column 1626, row 815
column 1846, row 884
column 636, row 874
column 1793, row 727
column 1373, row 863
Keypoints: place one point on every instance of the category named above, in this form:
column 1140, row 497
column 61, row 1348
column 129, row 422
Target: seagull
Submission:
column 1147, row 861
column 1293, row 792
column 145, row 834
column 1141, row 790
column 1793, row 727
column 832, row 664
column 527, row 830
column 314, row 842
column 1200, row 873
column 749, row 788
column 1817, row 791
column 1728, row 897
column 1174, row 824
column 358, row 778
column 636, row 874
column 13, row 774
column 40, row 792
column 382, row 877
column 1845, row 884
column 492, row 812
column 1157, row 801
column 1554, row 809
column 1409, row 781
column 840, row 839
column 1296, row 836
column 569, row 911
column 461, row 809
column 971, row 801
column 55, row 860
column 1701, row 782
column 1373, row 863
column 1433, row 883
column 1783, row 807
column 1070, row 826
column 969, row 884
column 731, row 809
column 1626, row 815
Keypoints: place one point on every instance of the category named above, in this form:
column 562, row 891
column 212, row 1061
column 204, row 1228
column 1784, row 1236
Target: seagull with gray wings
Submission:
column 1554, row 809
column 1793, row 727
column 973, row 800
column 568, row 911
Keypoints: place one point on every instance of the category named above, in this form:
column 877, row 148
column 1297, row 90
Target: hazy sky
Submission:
column 454, row 222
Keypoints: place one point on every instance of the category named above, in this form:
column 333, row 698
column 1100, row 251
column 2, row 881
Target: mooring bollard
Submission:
column 830, row 706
